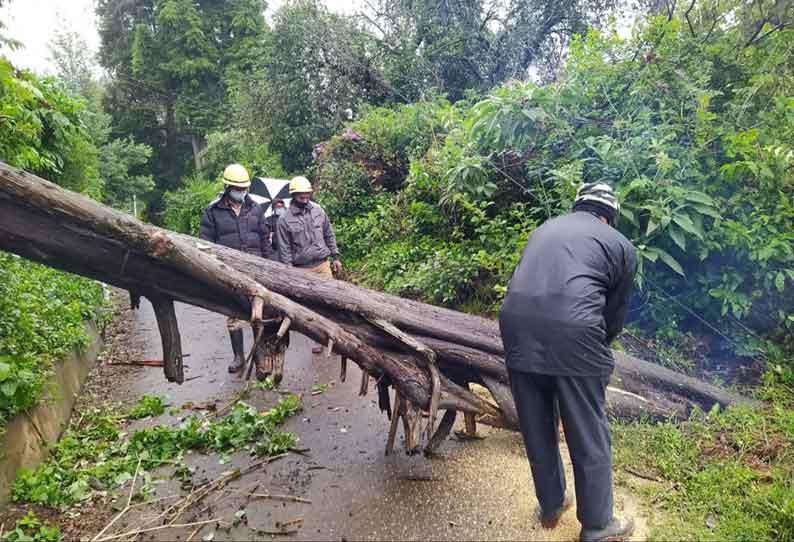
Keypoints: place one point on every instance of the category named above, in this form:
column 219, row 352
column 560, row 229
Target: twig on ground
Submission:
column 194, row 533
column 237, row 397
column 134, row 479
column 125, row 509
column 273, row 497
column 642, row 475
column 140, row 363
column 137, row 532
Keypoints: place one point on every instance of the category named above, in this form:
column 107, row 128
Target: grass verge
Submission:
column 722, row 475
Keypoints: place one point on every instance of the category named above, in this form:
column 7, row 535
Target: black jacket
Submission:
column 247, row 231
column 568, row 298
column 272, row 224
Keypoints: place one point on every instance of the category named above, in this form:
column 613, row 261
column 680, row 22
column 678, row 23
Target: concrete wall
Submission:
column 29, row 435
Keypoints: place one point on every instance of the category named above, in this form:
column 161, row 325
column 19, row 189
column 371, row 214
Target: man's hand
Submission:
column 336, row 265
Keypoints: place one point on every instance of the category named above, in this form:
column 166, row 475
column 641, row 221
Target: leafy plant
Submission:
column 30, row 528
column 96, row 454
column 318, row 389
column 148, row 406
column 42, row 315
column 184, row 207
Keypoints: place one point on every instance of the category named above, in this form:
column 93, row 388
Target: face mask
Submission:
column 280, row 211
column 237, row 195
column 300, row 204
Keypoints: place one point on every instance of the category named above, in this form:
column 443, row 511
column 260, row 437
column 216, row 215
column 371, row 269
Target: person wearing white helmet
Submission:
column 237, row 221
column 566, row 302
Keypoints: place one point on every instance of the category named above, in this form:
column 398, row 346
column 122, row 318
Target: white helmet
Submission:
column 598, row 193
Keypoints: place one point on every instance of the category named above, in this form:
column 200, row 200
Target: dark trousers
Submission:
column 541, row 400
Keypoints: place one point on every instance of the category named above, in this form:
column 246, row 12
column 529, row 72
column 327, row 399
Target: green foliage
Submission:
column 695, row 137
column 120, row 163
column 42, row 315
column 173, row 63
column 242, row 147
column 41, row 310
column 314, row 73
column 119, row 159
column 265, row 385
column 146, row 407
column 184, row 207
column 96, row 451
column 462, row 46
column 42, row 131
column 30, row 528
column 732, row 471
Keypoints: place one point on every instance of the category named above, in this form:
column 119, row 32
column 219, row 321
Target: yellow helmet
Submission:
column 300, row 184
column 237, row 176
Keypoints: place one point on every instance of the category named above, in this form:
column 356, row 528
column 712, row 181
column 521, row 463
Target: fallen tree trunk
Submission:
column 429, row 354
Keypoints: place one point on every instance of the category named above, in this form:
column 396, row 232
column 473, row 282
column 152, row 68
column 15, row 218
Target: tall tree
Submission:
column 74, row 62
column 170, row 62
column 121, row 164
column 457, row 45
column 316, row 72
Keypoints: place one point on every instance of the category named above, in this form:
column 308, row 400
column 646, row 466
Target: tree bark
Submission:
column 169, row 334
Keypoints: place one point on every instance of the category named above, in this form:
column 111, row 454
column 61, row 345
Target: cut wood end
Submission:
column 159, row 244
column 257, row 308
column 282, row 330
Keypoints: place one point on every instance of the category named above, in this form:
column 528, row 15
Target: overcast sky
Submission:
column 34, row 22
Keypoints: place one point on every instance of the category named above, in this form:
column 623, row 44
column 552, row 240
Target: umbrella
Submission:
column 264, row 190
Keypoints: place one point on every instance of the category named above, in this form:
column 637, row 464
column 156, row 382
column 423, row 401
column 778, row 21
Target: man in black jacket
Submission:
column 237, row 221
column 567, row 300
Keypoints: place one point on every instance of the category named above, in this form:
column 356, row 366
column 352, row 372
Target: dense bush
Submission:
column 41, row 319
column 41, row 310
column 694, row 129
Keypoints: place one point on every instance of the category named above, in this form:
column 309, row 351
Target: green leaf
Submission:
column 651, row 227
column 687, row 225
column 8, row 388
column 671, row 262
column 699, row 197
column 679, row 237
column 780, row 281
column 122, row 478
column 708, row 211
column 629, row 215
column 651, row 254
column 5, row 371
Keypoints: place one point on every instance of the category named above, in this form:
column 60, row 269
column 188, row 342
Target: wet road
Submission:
column 474, row 490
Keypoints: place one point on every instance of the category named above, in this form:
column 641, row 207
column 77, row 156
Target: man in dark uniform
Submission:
column 567, row 300
column 237, row 221
column 279, row 209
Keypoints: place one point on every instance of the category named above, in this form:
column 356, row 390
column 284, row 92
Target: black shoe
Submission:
column 551, row 519
column 239, row 351
column 618, row 530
